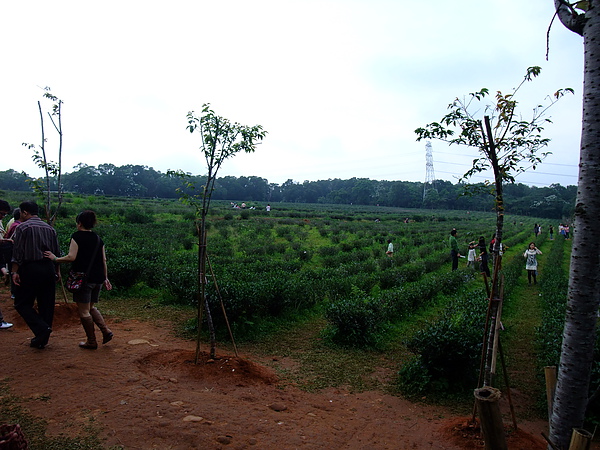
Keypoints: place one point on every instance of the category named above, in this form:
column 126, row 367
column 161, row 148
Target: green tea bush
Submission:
column 448, row 351
column 553, row 288
column 411, row 271
column 358, row 320
column 328, row 250
column 126, row 270
column 137, row 216
column 181, row 285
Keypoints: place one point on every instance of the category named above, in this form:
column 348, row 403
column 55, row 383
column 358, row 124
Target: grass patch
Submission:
column 304, row 359
column 522, row 313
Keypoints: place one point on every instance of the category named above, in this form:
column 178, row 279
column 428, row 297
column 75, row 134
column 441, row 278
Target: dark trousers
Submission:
column 38, row 282
column 483, row 266
column 454, row 255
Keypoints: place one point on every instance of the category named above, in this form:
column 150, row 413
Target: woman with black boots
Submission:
column 86, row 252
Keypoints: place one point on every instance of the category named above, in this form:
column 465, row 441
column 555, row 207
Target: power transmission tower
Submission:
column 429, row 173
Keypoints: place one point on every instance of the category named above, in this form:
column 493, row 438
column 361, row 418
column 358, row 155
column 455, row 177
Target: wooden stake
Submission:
column 580, row 439
column 491, row 420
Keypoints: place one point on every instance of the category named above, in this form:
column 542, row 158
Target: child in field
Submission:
column 531, row 264
column 390, row 249
column 471, row 255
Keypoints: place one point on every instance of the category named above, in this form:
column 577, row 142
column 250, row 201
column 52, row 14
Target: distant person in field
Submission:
column 268, row 207
column 567, row 231
column 87, row 254
column 551, row 231
column 454, row 250
column 483, row 256
column 531, row 263
column 390, row 248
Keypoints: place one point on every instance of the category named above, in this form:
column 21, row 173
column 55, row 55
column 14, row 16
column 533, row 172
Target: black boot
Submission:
column 90, row 332
column 107, row 335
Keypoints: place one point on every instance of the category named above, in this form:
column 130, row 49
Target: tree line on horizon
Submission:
column 554, row 201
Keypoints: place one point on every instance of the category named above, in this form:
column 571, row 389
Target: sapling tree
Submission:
column 220, row 139
column 508, row 144
column 52, row 170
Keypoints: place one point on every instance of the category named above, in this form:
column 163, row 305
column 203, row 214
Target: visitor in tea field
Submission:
column 471, row 254
column 531, row 263
column 483, row 256
column 454, row 250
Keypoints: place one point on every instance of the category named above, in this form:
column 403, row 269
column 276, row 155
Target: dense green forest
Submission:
column 554, row 201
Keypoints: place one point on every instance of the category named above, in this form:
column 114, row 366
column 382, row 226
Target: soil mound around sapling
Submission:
column 221, row 370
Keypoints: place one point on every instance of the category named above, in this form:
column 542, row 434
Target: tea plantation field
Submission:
column 327, row 265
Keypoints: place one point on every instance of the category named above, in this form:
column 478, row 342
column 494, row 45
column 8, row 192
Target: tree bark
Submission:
column 579, row 333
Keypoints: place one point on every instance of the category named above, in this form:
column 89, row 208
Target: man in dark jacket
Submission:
column 34, row 276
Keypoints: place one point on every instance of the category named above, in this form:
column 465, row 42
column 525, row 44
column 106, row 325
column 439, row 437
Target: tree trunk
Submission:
column 495, row 299
column 579, row 334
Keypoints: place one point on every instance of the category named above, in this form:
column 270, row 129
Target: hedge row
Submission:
column 448, row 350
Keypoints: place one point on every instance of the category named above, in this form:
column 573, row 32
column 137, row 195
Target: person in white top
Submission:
column 531, row 263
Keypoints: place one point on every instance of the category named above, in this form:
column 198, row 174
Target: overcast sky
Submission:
column 340, row 85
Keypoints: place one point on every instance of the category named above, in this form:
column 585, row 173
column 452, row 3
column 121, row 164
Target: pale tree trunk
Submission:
column 579, row 334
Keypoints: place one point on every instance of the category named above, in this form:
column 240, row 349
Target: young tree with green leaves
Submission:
column 220, row 139
column 580, row 331
column 53, row 170
column 508, row 145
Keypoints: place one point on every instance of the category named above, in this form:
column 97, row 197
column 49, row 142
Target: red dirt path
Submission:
column 144, row 392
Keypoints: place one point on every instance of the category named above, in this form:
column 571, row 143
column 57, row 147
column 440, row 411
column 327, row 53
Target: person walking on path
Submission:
column 33, row 275
column 454, row 250
column 87, row 254
column 531, row 263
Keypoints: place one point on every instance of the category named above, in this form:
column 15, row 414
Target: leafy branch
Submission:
column 52, row 170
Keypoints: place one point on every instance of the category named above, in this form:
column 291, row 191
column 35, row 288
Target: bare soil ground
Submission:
column 143, row 391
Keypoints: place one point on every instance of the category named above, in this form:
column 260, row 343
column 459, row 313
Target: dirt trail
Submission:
column 143, row 391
